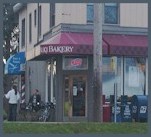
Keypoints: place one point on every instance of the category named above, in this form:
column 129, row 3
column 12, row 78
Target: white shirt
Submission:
column 12, row 97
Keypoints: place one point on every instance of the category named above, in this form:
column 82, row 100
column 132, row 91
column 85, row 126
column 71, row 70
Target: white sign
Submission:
column 75, row 90
column 56, row 49
column 133, row 76
column 143, row 109
column 127, row 110
column 134, row 109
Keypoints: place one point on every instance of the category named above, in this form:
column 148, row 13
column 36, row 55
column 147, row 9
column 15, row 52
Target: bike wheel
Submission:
column 40, row 115
column 21, row 116
column 29, row 116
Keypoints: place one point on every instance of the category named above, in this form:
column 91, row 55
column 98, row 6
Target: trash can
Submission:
column 140, row 108
column 106, row 113
column 126, row 113
column 118, row 113
column 118, row 110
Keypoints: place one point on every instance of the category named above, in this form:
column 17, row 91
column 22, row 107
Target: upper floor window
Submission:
column 52, row 14
column 30, row 27
column 35, row 17
column 39, row 20
column 110, row 13
column 23, row 33
column 90, row 13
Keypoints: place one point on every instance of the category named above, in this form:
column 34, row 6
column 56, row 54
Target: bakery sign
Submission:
column 56, row 49
column 66, row 49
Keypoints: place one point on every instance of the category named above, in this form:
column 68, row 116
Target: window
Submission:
column 134, row 76
column 75, row 63
column 35, row 17
column 108, row 77
column 52, row 14
column 110, row 13
column 30, row 27
column 90, row 13
column 39, row 20
column 23, row 33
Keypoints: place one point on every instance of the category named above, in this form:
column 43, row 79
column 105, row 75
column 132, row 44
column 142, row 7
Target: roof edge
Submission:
column 17, row 7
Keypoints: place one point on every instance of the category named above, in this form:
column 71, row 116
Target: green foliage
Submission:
column 9, row 22
column 4, row 115
column 76, row 128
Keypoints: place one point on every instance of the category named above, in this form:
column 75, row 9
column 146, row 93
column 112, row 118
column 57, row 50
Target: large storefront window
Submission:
column 134, row 76
column 131, row 76
column 108, row 77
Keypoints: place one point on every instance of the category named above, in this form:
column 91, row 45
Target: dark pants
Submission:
column 12, row 112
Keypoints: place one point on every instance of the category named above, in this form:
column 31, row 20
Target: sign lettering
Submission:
column 57, row 49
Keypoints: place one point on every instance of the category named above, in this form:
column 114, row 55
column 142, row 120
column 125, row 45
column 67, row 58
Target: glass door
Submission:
column 75, row 96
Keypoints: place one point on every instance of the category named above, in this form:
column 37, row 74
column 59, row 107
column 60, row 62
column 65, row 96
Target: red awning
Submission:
column 127, row 45
column 82, row 42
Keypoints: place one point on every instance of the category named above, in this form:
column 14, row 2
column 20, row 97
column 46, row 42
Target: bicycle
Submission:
column 47, row 113
column 29, row 113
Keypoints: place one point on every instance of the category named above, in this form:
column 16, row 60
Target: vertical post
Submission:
column 46, row 86
column 51, row 79
column 115, row 102
column 123, row 75
column 115, row 89
column 97, row 60
column 146, row 77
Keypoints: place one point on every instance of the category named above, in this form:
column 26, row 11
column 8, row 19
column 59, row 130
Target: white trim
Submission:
column 122, row 76
column 46, row 86
column 52, row 80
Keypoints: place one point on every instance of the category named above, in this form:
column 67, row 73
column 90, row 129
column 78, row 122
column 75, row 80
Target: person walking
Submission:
column 13, row 97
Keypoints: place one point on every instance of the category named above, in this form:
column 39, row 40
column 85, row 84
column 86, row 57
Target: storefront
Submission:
column 69, row 72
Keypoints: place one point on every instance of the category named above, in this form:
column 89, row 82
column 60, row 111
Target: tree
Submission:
column 9, row 22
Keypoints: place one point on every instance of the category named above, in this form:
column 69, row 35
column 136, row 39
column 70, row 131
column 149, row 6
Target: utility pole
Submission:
column 97, row 60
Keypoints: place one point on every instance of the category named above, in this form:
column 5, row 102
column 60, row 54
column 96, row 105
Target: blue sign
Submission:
column 15, row 65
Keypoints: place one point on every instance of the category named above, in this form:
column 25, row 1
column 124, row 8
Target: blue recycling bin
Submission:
column 126, row 113
column 118, row 110
column 118, row 113
column 140, row 108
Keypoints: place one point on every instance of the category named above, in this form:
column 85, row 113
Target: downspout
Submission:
column 108, row 45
